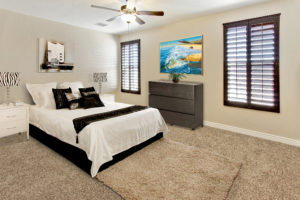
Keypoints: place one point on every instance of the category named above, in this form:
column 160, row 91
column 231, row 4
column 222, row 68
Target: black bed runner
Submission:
column 81, row 122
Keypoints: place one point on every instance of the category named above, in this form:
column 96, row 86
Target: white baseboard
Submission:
column 266, row 136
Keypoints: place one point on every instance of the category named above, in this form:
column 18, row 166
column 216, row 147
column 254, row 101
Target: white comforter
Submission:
column 103, row 139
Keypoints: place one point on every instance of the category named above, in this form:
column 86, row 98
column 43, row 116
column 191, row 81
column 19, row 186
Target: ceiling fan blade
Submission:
column 101, row 24
column 156, row 13
column 139, row 20
column 101, row 7
column 113, row 18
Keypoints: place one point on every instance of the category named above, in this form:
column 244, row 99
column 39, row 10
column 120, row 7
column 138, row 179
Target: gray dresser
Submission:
column 179, row 103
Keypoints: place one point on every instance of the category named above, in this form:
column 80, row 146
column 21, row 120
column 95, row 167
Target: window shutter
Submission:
column 251, row 63
column 236, row 60
column 130, row 66
column 263, row 65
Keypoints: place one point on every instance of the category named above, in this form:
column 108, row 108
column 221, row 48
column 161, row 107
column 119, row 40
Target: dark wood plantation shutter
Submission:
column 251, row 63
column 236, row 64
column 130, row 67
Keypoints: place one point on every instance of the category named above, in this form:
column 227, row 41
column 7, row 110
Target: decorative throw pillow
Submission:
column 60, row 97
column 85, row 94
column 73, row 100
column 90, row 98
column 73, row 85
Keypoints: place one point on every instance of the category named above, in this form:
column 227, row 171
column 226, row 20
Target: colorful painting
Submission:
column 184, row 56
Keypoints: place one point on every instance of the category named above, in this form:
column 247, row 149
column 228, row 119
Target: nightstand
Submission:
column 107, row 97
column 13, row 120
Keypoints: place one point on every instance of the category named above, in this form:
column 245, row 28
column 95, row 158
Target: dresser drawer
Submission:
column 180, row 119
column 13, row 115
column 12, row 127
column 172, row 90
column 172, row 104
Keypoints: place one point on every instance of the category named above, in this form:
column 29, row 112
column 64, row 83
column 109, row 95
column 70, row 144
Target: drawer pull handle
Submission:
column 11, row 116
column 11, row 128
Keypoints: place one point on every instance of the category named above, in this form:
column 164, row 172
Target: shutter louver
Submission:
column 130, row 66
column 251, row 63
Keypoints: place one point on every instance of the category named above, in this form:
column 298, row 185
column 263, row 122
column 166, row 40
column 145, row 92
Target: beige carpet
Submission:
column 31, row 171
column 171, row 170
column 271, row 171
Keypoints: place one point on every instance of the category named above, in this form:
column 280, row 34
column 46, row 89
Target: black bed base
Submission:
column 78, row 156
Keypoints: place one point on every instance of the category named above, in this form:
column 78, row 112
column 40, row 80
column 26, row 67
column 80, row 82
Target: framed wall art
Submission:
column 182, row 56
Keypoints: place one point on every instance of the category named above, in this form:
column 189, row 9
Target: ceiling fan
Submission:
column 129, row 13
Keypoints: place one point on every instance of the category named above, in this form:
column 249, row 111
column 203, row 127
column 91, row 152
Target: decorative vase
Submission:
column 175, row 80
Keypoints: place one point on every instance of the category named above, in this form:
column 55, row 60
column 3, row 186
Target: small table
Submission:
column 13, row 120
column 107, row 97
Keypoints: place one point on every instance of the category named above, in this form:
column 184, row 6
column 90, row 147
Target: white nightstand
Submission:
column 13, row 120
column 107, row 97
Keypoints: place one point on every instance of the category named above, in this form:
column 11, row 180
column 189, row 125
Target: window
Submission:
column 130, row 67
column 251, row 63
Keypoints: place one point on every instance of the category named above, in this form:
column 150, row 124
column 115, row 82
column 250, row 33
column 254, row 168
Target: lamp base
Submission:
column 100, row 87
column 8, row 95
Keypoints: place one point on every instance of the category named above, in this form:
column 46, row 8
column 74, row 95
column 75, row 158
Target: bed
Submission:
column 101, row 141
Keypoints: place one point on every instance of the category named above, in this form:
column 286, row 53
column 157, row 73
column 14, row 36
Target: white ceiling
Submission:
column 79, row 13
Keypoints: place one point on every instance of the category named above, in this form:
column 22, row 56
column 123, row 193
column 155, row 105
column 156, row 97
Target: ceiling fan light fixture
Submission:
column 129, row 18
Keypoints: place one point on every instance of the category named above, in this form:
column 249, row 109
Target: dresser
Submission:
column 13, row 120
column 179, row 103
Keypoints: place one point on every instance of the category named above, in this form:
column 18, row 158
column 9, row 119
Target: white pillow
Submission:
column 47, row 99
column 42, row 94
column 73, row 85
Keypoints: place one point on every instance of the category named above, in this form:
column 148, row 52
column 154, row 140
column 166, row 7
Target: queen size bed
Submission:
column 103, row 139
column 100, row 140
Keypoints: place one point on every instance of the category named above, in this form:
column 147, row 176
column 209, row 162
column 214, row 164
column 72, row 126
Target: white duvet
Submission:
column 103, row 139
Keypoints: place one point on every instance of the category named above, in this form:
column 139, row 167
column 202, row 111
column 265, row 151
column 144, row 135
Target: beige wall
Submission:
column 93, row 51
column 287, row 123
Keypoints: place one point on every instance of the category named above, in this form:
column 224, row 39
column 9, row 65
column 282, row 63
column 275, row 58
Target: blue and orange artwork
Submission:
column 182, row 56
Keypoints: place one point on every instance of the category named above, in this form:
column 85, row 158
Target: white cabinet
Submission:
column 14, row 120
column 107, row 97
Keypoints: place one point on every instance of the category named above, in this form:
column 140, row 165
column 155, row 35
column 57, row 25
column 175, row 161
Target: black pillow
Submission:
column 73, row 101
column 60, row 97
column 90, row 98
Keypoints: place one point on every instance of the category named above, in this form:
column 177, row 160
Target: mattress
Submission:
column 103, row 139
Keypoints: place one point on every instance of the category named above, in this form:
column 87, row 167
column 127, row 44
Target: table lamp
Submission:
column 9, row 79
column 100, row 78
